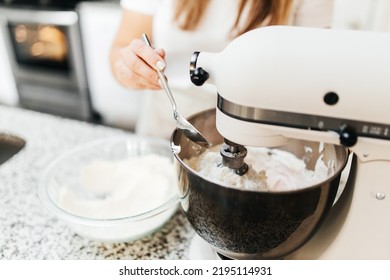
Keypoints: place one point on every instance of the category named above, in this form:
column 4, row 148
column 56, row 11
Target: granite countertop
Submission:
column 29, row 231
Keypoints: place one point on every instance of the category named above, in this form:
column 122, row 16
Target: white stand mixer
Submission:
column 323, row 85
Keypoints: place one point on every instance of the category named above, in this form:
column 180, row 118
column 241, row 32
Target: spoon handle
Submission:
column 163, row 79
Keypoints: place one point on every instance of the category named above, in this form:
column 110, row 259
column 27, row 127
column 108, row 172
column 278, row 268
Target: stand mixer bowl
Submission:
column 243, row 224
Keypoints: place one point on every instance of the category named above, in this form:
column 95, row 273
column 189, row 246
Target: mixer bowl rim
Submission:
column 177, row 151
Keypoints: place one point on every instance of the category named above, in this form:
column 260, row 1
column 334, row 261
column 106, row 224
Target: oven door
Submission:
column 46, row 56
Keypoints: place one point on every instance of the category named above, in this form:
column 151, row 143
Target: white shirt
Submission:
column 212, row 36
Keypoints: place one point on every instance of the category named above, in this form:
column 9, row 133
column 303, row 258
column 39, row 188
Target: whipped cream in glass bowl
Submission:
column 113, row 189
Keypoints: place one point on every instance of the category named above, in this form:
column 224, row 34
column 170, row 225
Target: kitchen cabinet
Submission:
column 117, row 105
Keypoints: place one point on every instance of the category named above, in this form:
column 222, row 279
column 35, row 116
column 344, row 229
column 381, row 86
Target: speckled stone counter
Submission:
column 29, row 232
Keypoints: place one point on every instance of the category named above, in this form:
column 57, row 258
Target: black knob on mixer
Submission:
column 199, row 76
column 348, row 136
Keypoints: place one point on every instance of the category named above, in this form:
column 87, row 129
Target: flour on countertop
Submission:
column 269, row 170
column 121, row 188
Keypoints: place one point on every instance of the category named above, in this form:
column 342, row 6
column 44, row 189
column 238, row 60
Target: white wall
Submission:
column 381, row 16
column 362, row 15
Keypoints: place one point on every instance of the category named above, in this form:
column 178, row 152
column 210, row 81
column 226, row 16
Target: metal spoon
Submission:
column 181, row 123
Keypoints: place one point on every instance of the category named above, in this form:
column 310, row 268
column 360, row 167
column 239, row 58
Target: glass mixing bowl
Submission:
column 113, row 189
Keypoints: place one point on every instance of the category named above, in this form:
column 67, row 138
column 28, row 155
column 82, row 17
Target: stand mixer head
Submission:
column 331, row 86
column 282, row 82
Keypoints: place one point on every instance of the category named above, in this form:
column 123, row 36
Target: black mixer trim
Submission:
column 302, row 121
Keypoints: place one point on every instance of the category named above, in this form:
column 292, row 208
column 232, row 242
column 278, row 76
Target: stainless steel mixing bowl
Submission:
column 243, row 224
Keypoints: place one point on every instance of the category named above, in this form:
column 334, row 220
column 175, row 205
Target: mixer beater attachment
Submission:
column 233, row 156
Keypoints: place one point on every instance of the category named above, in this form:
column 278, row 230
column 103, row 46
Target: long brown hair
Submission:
column 188, row 13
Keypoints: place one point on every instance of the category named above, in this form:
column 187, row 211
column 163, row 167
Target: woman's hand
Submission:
column 136, row 65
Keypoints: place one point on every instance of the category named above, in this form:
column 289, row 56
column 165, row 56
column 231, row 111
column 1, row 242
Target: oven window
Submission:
column 40, row 45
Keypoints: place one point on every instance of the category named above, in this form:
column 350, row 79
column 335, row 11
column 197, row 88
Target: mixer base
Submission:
column 201, row 250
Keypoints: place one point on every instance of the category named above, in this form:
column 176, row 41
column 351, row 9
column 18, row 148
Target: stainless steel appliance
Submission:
column 241, row 223
column 46, row 55
column 322, row 85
